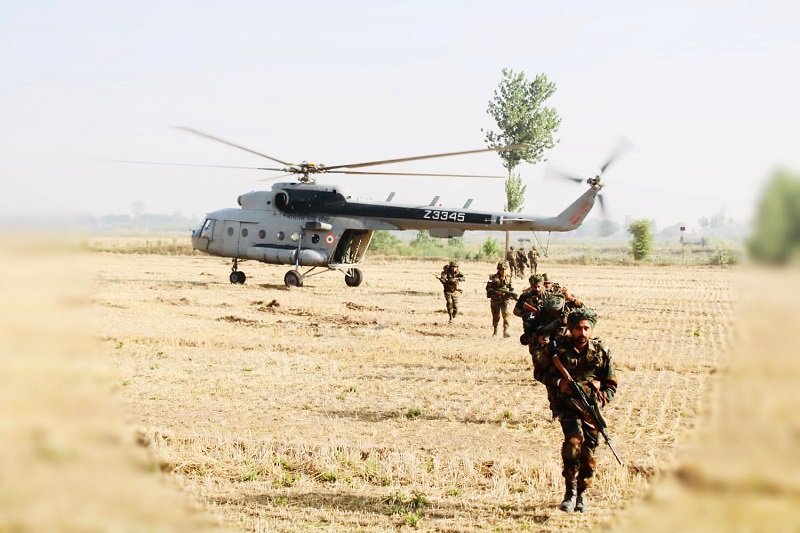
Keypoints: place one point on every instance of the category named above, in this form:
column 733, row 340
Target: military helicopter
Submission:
column 313, row 226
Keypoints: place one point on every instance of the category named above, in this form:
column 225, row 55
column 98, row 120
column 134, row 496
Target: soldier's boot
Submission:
column 506, row 334
column 494, row 333
column 570, row 496
column 580, row 501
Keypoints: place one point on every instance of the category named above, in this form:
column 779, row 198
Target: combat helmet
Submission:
column 554, row 304
column 503, row 265
column 453, row 264
column 535, row 279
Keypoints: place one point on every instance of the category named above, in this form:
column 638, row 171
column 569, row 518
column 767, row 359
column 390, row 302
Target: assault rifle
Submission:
column 507, row 293
column 444, row 281
column 590, row 409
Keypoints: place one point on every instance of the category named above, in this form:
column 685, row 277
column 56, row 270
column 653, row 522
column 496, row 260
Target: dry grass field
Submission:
column 339, row 409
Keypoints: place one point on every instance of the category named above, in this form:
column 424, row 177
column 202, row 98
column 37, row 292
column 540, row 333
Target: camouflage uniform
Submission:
column 511, row 259
column 450, row 278
column 593, row 370
column 522, row 262
column 533, row 259
column 532, row 296
column 499, row 300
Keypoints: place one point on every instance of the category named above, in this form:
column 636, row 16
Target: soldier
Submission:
column 556, row 289
column 533, row 259
column 522, row 262
column 511, row 259
column 531, row 299
column 499, row 291
column 450, row 278
column 588, row 361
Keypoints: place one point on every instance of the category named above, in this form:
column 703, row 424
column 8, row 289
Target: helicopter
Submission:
column 312, row 226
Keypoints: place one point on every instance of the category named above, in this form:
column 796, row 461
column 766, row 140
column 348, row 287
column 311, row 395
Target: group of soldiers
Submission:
column 574, row 366
column 518, row 260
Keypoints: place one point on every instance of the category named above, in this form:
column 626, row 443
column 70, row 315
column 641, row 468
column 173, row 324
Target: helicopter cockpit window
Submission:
column 208, row 229
column 281, row 235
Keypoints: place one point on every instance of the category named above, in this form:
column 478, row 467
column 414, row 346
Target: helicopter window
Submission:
column 262, row 234
column 281, row 235
column 230, row 232
column 244, row 232
column 315, row 238
column 208, row 229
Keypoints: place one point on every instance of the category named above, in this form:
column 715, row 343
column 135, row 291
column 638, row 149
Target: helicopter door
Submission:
column 230, row 237
column 352, row 246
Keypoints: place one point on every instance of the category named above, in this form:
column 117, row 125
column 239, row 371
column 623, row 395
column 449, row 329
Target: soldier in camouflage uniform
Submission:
column 589, row 363
column 511, row 260
column 522, row 262
column 533, row 259
column 555, row 289
column 531, row 299
column 450, row 278
column 499, row 291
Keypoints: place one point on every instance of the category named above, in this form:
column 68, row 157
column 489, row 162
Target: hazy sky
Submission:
column 706, row 91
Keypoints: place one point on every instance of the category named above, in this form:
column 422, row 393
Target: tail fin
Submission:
column 573, row 216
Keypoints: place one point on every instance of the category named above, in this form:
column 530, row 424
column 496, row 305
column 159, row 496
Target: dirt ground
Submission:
column 260, row 408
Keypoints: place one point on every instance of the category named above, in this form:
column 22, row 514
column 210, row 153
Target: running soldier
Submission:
column 531, row 299
column 511, row 260
column 499, row 291
column 522, row 262
column 588, row 362
column 450, row 278
column 533, row 259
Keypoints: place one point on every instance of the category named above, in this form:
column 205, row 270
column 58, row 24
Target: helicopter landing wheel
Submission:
column 237, row 277
column 293, row 278
column 353, row 277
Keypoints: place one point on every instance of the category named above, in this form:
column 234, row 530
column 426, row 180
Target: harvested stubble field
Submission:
column 331, row 408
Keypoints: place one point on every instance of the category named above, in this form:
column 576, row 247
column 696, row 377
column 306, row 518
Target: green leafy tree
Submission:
column 423, row 238
column 776, row 234
column 384, row 241
column 522, row 118
column 642, row 241
column 490, row 248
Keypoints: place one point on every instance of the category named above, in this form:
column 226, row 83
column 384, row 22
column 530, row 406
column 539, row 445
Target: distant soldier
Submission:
column 588, row 362
column 450, row 278
column 533, row 259
column 522, row 262
column 499, row 291
column 511, row 259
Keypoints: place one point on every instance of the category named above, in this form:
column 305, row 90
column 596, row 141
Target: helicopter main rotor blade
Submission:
column 223, row 141
column 191, row 165
column 276, row 177
column 432, row 156
column 367, row 173
column 554, row 173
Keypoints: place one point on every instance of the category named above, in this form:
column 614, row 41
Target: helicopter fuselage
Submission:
column 312, row 225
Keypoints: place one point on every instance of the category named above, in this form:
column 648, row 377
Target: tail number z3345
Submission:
column 431, row 214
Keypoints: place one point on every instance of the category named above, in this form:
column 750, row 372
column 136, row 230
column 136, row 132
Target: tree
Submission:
column 642, row 242
column 776, row 235
column 490, row 248
column 521, row 117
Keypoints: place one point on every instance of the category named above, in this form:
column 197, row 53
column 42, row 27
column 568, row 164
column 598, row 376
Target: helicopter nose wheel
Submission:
column 293, row 278
column 353, row 277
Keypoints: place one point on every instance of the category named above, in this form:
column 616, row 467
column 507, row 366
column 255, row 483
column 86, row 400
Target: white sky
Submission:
column 706, row 91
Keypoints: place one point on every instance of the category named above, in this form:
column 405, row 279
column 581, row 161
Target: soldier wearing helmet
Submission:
column 588, row 362
column 531, row 299
column 499, row 291
column 450, row 278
